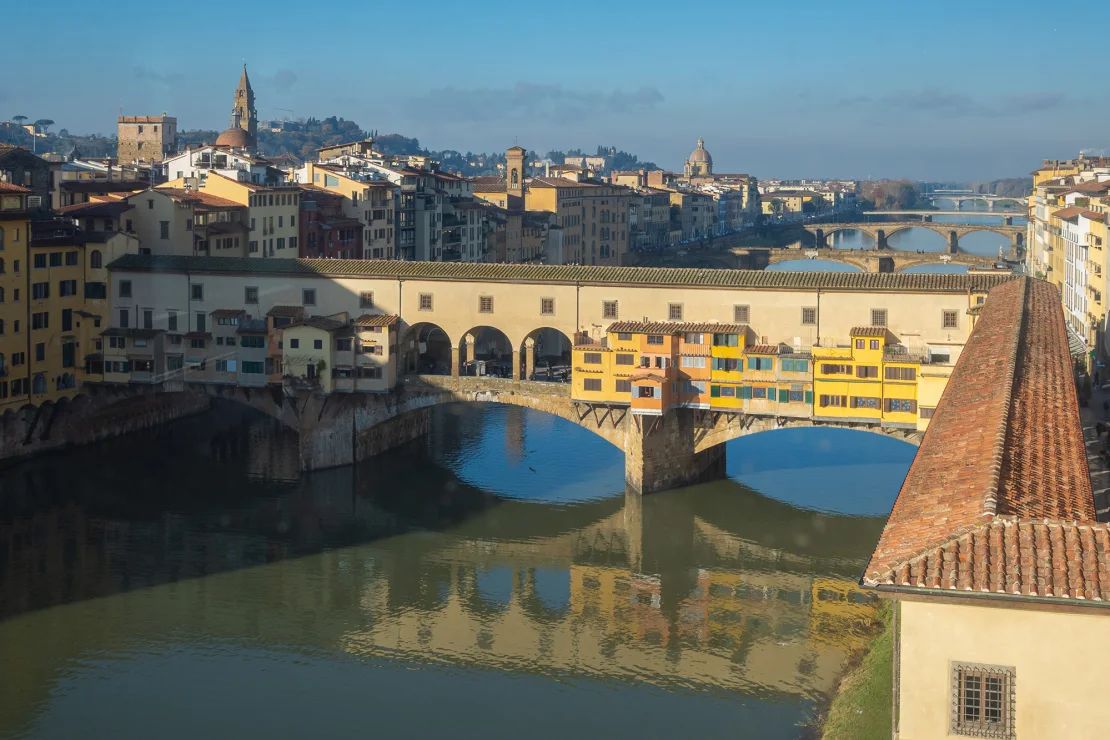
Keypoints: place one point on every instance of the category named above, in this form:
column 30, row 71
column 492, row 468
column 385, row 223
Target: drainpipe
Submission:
column 818, row 317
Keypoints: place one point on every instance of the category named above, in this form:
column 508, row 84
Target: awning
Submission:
column 1076, row 343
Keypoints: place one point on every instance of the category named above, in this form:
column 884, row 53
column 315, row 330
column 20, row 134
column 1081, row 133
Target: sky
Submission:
column 938, row 89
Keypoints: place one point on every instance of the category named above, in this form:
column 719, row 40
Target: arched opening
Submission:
column 546, row 593
column 851, row 239
column 427, row 350
column 96, row 260
column 38, row 384
column 985, row 243
column 485, row 350
column 545, row 356
column 916, row 239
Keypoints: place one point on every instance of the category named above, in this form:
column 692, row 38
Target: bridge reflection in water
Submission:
column 713, row 587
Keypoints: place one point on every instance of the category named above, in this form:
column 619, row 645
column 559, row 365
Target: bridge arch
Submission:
column 870, row 234
column 544, row 354
column 744, row 426
column 942, row 233
column 489, row 345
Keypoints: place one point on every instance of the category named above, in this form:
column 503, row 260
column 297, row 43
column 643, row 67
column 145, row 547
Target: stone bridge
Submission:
column 959, row 199
column 881, row 231
column 867, row 260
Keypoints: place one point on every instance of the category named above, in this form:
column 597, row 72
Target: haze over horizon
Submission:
column 945, row 92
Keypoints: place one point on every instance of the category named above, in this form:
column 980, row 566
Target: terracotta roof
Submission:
column 558, row 182
column 1076, row 211
column 675, row 327
column 289, row 312
column 1092, row 186
column 195, row 196
column 7, row 187
column 762, row 349
column 377, row 320
column 227, row 313
column 488, row 184
column 867, row 331
column 690, row 277
column 998, row 499
column 96, row 208
column 323, row 322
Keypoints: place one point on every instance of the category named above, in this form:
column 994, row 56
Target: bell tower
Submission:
column 243, row 113
column 514, row 173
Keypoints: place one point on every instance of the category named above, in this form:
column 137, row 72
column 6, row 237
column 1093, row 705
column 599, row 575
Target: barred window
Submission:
column 741, row 314
column 950, row 320
column 366, row 299
column 547, row 306
column 485, row 304
column 425, row 301
column 809, row 316
column 982, row 700
column 878, row 317
column 609, row 309
column 926, row 412
column 674, row 311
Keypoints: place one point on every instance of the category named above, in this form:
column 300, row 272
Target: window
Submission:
column 626, row 359
column 833, row 401
column 425, row 301
column 761, row 363
column 485, row 304
column 124, row 318
column 366, row 299
column 253, row 342
column 900, row 373
column 55, row 259
column 905, row 405
column 624, row 386
column 830, row 369
column 950, row 320
column 982, row 700
column 343, row 344
column 728, row 365
column 645, row 391
column 71, row 259
column 67, row 287
column 40, row 352
column 148, row 318
column 760, row 392
column 96, row 259
column 693, row 338
column 875, row 344
column 926, row 412
column 674, row 311
column 696, row 362
column 308, row 296
column 861, row 344
column 201, row 321
column 40, row 291
column 163, row 229
column 40, row 260
column 250, row 294
column 878, row 317
column 655, row 339
column 726, row 340
column 741, row 314
column 196, row 290
column 124, row 288
column 865, row 402
column 592, row 358
column 40, row 320
column 624, row 336
column 171, row 320
column 609, row 309
column 867, row 371
column 253, row 368
column 809, row 316
column 793, row 365
column 591, row 384
column 317, row 344
column 547, row 306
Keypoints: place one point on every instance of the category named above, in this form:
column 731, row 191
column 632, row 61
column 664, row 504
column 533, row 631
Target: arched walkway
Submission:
column 485, row 350
column 545, row 356
column 427, row 349
column 917, row 238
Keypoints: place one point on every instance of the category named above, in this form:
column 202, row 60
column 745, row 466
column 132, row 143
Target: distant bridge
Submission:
column 881, row 231
column 1006, row 217
column 960, row 198
column 873, row 260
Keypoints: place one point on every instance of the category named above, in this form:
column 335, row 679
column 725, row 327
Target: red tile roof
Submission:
column 998, row 499
column 675, row 327
column 7, row 187
column 368, row 319
column 868, row 331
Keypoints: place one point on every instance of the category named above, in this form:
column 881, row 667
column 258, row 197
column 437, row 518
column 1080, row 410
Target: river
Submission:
column 489, row 580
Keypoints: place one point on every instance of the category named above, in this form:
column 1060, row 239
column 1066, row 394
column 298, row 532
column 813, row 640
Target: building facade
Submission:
column 145, row 139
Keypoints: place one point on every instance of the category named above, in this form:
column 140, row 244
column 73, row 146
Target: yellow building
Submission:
column 272, row 213
column 371, row 201
column 15, row 233
column 55, row 300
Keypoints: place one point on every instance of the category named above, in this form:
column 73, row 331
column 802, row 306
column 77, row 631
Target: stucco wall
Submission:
column 1062, row 662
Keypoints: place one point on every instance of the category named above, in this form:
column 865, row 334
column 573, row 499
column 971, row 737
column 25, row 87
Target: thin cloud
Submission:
column 931, row 100
column 529, row 101
column 153, row 75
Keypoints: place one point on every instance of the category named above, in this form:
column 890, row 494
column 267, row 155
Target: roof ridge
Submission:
column 1018, row 331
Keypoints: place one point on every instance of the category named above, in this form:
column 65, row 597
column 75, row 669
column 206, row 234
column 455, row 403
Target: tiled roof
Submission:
column 762, row 349
column 368, row 319
column 7, row 187
column 1076, row 211
column 197, row 196
column 102, row 186
column 227, row 313
column 96, row 208
column 289, row 312
column 867, row 331
column 323, row 322
column 675, row 327
column 690, row 277
column 998, row 499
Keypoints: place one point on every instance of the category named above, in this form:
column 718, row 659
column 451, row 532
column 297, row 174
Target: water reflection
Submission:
column 148, row 577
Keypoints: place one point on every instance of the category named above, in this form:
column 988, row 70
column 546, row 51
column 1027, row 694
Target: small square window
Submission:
column 547, row 306
column 197, row 291
column 741, row 314
column 609, row 309
column 485, row 304
column 425, row 301
column 250, row 294
column 308, row 297
column 950, row 320
column 878, row 317
column 809, row 316
column 366, row 299
column 674, row 311
column 982, row 700
column 317, row 344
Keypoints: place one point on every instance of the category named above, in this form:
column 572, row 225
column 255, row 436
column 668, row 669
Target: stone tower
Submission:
column 514, row 172
column 243, row 113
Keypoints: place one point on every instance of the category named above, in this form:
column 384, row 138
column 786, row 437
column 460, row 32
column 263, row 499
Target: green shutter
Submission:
column 784, row 395
column 714, row 391
column 745, row 391
column 809, row 397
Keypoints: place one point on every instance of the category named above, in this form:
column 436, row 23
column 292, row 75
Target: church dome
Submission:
column 234, row 137
column 700, row 154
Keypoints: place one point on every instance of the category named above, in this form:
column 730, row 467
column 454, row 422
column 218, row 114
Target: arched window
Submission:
column 2, row 365
column 38, row 384
column 1, row 237
column 1, row 265
column 516, row 177
column 1, row 295
column 95, row 260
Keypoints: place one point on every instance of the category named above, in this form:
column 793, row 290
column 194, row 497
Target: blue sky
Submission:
column 939, row 89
